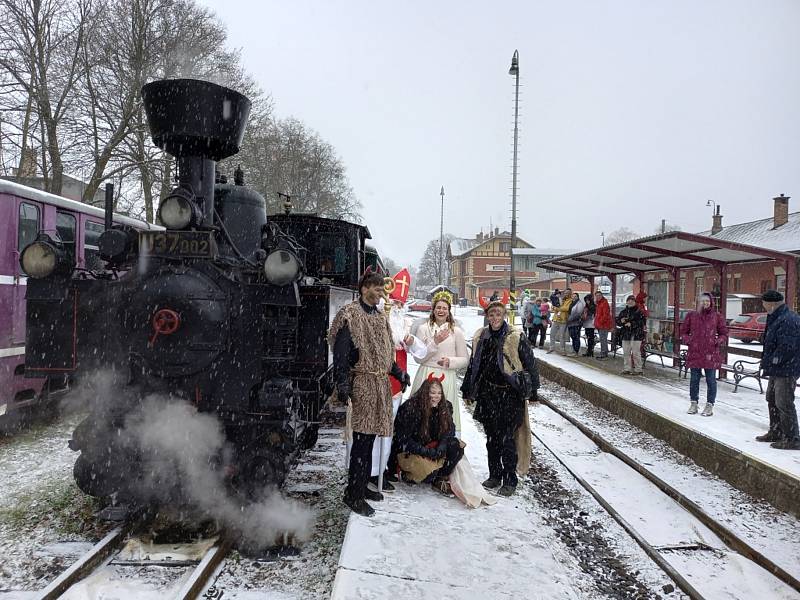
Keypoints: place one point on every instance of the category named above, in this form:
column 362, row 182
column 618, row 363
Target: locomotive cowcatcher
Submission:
column 225, row 308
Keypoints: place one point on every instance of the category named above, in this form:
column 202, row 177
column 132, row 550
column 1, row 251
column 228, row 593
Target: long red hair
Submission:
column 422, row 403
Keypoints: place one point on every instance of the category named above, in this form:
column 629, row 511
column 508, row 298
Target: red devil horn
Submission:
column 441, row 379
column 432, row 377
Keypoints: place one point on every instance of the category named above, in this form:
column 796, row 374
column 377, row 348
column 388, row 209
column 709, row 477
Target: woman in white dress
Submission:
column 447, row 352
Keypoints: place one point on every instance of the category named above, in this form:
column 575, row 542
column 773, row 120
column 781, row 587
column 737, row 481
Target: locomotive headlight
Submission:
column 175, row 212
column 281, row 267
column 38, row 260
column 44, row 257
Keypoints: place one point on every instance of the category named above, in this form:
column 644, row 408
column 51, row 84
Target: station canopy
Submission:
column 662, row 252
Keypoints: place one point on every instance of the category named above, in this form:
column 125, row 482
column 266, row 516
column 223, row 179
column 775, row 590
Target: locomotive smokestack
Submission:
column 199, row 123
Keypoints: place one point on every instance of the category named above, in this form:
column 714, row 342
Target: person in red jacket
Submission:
column 603, row 322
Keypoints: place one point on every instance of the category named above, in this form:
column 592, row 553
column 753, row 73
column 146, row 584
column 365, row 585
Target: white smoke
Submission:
column 184, row 445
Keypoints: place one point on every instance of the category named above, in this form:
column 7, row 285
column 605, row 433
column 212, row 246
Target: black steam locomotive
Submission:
column 225, row 308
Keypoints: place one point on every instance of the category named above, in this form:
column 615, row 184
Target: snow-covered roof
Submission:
column 762, row 234
column 541, row 252
column 23, row 191
column 459, row 246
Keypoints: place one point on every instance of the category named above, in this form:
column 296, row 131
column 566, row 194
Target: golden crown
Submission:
column 443, row 295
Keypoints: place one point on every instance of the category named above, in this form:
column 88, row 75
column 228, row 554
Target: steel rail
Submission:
column 193, row 586
column 731, row 539
column 648, row 548
column 85, row 564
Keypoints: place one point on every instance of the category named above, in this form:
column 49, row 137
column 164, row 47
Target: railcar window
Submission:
column 66, row 226
column 28, row 226
column 332, row 257
column 91, row 249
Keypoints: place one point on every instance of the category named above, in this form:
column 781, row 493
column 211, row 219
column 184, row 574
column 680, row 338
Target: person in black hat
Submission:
column 780, row 361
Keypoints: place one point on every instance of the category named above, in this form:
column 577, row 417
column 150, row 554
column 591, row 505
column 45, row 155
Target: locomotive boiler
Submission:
column 225, row 308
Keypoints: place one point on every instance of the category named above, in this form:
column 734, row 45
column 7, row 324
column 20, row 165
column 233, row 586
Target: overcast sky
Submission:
column 631, row 111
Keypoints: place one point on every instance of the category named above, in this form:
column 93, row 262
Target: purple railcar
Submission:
column 24, row 212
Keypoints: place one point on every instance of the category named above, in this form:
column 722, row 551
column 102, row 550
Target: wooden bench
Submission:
column 743, row 369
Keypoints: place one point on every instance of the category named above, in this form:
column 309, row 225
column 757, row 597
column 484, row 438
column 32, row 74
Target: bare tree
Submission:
column 623, row 234
column 428, row 273
column 41, row 42
column 285, row 156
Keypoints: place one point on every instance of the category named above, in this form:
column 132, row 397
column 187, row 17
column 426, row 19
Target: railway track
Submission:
column 105, row 553
column 665, row 556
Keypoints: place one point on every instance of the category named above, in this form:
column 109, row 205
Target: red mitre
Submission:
column 402, row 285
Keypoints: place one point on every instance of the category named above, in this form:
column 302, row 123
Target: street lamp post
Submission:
column 514, row 70
column 441, row 240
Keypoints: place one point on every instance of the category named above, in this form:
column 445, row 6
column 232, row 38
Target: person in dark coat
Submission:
column 704, row 331
column 425, row 446
column 588, row 323
column 500, row 378
column 555, row 298
column 631, row 322
column 363, row 356
column 780, row 361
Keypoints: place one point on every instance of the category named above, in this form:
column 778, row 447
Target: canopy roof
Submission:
column 661, row 252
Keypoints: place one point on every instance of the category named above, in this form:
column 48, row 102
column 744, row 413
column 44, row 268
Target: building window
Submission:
column 780, row 283
column 505, row 246
column 737, row 283
column 698, row 285
column 682, row 297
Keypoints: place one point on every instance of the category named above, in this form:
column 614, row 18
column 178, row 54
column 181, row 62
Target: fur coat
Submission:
column 370, row 392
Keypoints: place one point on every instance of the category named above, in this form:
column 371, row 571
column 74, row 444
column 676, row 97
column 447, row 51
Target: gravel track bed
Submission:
column 757, row 522
column 596, row 543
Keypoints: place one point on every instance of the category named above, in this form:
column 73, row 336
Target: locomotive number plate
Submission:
column 177, row 244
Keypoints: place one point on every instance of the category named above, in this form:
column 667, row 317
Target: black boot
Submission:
column 770, row 436
column 359, row 507
column 372, row 495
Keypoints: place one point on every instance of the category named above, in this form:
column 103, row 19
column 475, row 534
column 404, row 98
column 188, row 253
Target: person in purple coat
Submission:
column 705, row 332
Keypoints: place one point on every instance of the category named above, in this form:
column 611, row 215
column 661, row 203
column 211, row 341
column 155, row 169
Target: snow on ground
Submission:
column 422, row 545
column 45, row 521
column 715, row 571
column 767, row 529
column 737, row 419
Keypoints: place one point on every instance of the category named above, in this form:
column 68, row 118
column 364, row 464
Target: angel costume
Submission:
column 452, row 347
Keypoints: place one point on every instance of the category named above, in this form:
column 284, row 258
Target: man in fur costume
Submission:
column 501, row 378
column 363, row 356
column 404, row 343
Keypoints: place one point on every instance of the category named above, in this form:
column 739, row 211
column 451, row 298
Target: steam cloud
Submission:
column 182, row 443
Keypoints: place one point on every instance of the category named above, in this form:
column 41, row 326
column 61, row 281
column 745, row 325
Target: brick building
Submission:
column 779, row 232
column 481, row 265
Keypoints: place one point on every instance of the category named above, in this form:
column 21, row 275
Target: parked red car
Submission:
column 420, row 306
column 748, row 328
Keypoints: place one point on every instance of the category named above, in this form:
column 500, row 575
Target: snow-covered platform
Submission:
column 421, row 544
column 657, row 403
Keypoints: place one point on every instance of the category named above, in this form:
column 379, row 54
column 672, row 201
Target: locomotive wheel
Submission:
column 91, row 477
column 261, row 471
